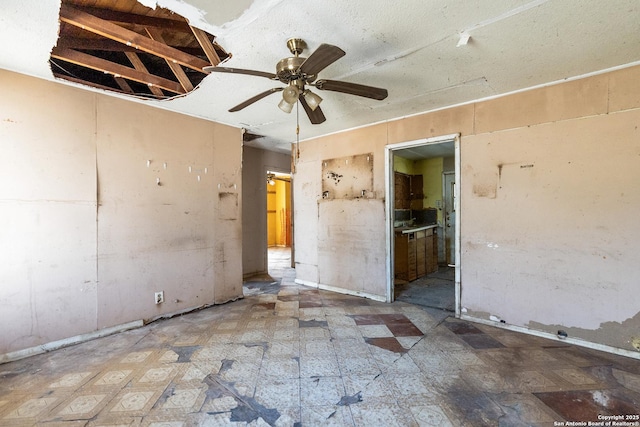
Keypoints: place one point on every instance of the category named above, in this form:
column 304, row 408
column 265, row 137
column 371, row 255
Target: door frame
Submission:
column 268, row 169
column 444, row 218
column 390, row 202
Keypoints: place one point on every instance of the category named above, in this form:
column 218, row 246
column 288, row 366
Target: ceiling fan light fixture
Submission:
column 285, row 106
column 291, row 94
column 312, row 99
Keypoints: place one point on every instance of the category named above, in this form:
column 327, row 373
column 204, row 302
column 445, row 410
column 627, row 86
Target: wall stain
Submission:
column 334, row 176
column 487, row 190
column 621, row 335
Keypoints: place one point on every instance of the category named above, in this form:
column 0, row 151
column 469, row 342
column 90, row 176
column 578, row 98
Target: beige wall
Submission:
column 342, row 247
column 256, row 163
column 548, row 207
column 87, row 234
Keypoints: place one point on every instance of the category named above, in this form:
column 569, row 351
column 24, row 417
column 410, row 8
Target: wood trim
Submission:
column 112, row 31
column 85, row 60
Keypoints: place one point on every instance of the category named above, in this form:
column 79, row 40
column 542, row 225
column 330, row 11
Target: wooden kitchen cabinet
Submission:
column 431, row 250
column 402, row 191
column 416, row 254
column 405, row 256
column 421, row 253
column 408, row 191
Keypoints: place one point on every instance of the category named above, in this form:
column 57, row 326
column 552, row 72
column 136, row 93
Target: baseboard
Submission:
column 341, row 290
column 55, row 345
column 567, row 340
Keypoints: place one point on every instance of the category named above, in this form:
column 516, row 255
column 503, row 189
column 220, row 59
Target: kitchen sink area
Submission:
column 416, row 243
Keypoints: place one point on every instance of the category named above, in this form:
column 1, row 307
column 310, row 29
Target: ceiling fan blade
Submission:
column 321, row 58
column 352, row 89
column 214, row 69
column 315, row 116
column 258, row 97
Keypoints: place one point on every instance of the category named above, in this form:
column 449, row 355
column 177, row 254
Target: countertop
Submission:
column 414, row 228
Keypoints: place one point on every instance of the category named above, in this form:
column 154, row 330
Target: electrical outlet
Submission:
column 159, row 297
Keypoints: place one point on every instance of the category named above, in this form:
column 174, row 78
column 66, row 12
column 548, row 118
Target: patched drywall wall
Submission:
column 104, row 202
column 565, row 197
column 549, row 233
column 351, row 245
column 48, row 282
column 348, row 177
column 339, row 243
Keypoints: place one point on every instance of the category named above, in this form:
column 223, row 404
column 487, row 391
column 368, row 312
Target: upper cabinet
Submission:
column 408, row 191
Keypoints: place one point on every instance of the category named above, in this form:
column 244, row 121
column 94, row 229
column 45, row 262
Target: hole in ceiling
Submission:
column 129, row 48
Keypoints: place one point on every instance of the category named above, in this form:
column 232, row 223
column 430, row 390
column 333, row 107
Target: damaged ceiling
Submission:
column 427, row 54
column 131, row 49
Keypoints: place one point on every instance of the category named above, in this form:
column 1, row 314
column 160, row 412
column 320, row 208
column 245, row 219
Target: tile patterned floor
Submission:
column 296, row 356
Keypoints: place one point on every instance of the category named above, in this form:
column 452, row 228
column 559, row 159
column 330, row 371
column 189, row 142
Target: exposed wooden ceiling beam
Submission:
column 138, row 65
column 206, row 45
column 123, row 84
column 112, row 31
column 109, row 45
column 177, row 70
column 85, row 60
column 84, row 82
column 143, row 20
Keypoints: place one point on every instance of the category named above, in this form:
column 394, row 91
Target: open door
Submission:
column 427, row 217
column 279, row 223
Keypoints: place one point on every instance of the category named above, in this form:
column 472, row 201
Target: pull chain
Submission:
column 297, row 131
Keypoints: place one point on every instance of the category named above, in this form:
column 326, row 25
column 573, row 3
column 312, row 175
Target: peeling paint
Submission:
column 614, row 334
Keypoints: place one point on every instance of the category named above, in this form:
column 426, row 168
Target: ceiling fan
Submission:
column 298, row 73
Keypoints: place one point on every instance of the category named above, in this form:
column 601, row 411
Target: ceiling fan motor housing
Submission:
column 287, row 68
column 296, row 72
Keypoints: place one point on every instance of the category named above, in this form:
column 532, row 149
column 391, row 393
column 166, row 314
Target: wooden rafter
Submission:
column 112, row 31
column 206, row 45
column 142, row 20
column 109, row 45
column 84, row 82
column 95, row 63
column 155, row 34
column 138, row 65
column 123, row 84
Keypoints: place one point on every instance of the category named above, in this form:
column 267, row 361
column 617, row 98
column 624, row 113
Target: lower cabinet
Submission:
column 416, row 254
column 431, row 250
column 405, row 256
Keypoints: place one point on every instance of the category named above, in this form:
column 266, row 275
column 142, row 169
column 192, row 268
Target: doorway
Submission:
column 279, row 224
column 423, row 222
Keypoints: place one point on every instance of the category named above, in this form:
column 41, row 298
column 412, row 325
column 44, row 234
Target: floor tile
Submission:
column 289, row 355
column 586, row 405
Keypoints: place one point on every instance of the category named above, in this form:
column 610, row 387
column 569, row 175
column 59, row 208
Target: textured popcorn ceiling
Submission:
column 411, row 47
